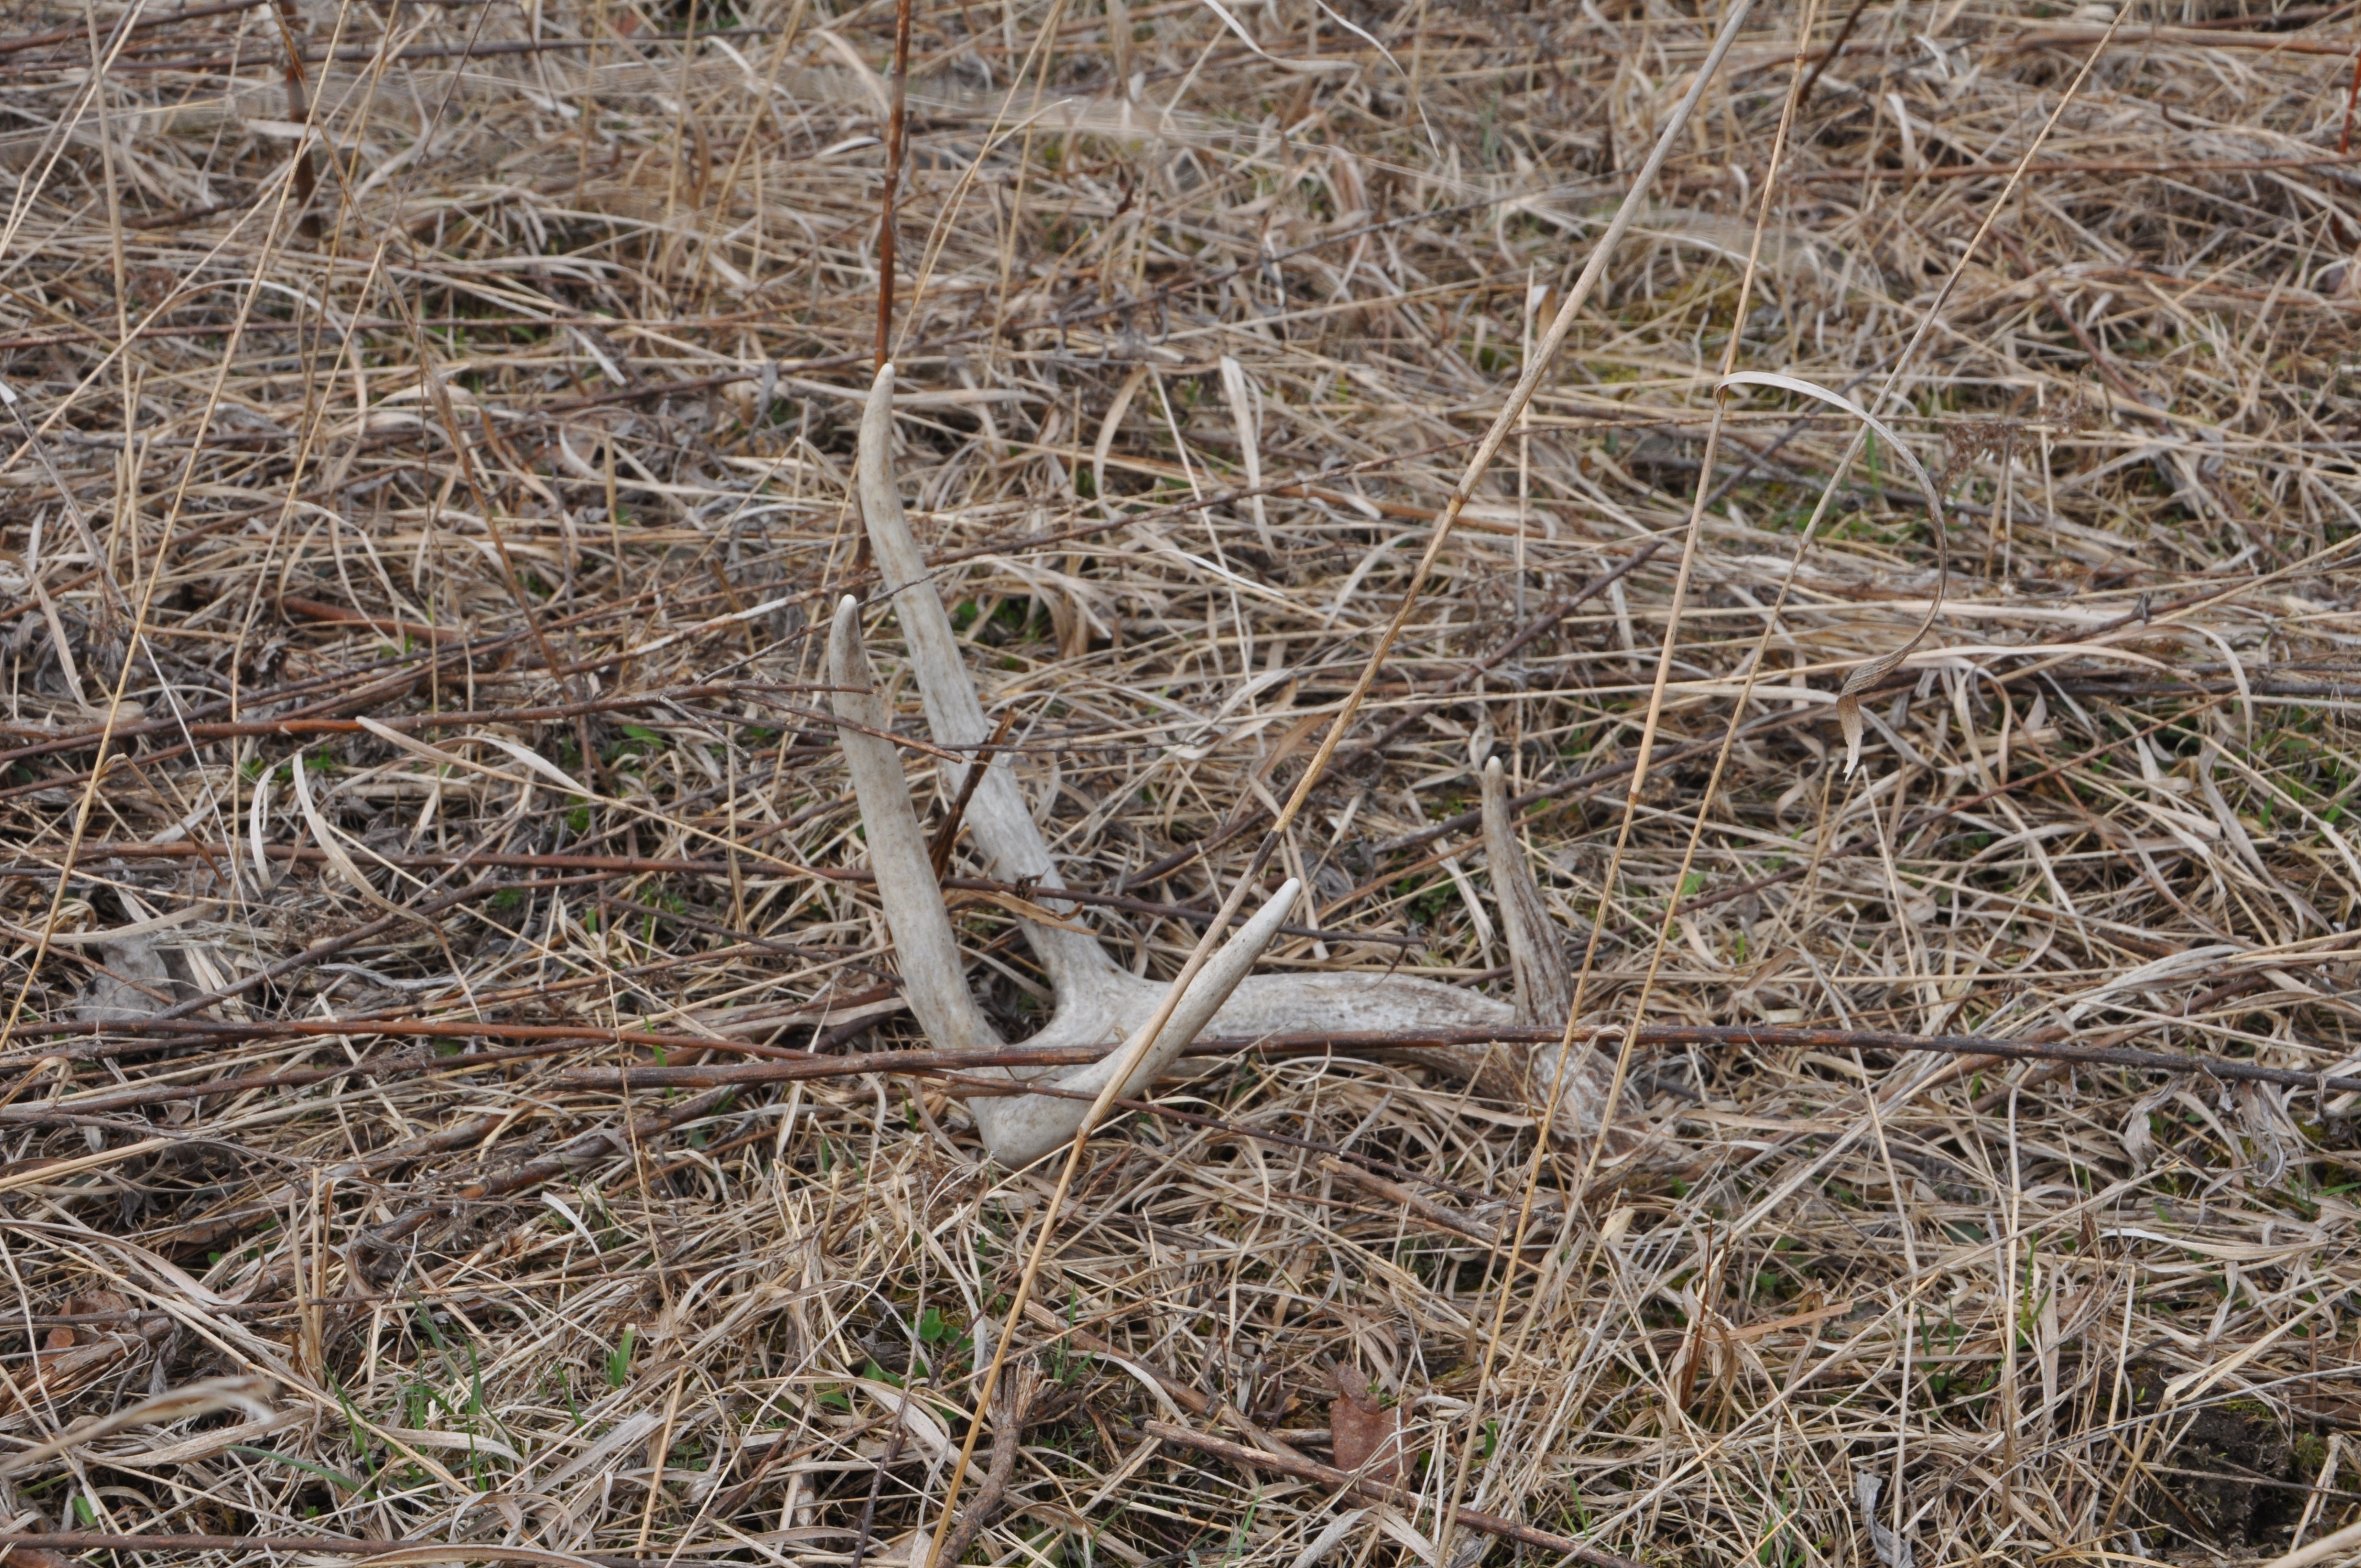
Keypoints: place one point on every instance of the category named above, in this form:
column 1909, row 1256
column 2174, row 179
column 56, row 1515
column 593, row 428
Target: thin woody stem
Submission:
column 896, row 127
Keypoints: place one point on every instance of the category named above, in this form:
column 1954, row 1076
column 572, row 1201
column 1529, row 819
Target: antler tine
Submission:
column 997, row 816
column 1098, row 1001
column 1544, row 990
column 1537, row 960
column 1022, row 1130
column 933, row 974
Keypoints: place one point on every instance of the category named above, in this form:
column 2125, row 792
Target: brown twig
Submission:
column 2352, row 95
column 2071, row 166
column 1763, row 1037
column 1011, row 1405
column 361, row 54
column 138, row 24
column 861, row 1534
column 299, row 112
column 327, row 1545
column 511, row 861
column 897, row 124
column 947, row 836
column 1804, row 93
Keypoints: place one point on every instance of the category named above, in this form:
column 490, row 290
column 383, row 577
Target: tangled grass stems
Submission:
column 537, row 451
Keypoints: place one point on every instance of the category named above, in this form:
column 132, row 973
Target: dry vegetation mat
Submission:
column 460, row 1094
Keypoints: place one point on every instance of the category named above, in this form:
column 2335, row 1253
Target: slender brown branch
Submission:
column 1763, row 1037
column 307, row 854
column 876, row 1484
column 299, row 112
column 947, row 834
column 896, row 127
column 1804, row 93
column 327, row 1545
column 1010, row 1408
column 137, row 24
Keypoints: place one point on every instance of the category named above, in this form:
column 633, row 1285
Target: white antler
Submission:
column 933, row 974
column 1096, row 1001
column 1026, row 1128
column 1537, row 960
column 1544, row 991
column 1020, row 1128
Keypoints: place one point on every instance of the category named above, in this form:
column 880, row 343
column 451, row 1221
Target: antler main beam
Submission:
column 1097, row 1002
column 1017, row 1129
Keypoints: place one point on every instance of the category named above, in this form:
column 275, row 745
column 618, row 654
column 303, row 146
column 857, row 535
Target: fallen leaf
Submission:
column 1365, row 1435
column 13, row 1556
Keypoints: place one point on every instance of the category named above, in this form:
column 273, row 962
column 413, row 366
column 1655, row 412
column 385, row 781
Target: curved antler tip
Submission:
column 848, row 661
column 1491, row 767
column 884, row 381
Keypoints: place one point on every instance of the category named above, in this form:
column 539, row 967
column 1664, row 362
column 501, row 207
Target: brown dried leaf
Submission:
column 1365, row 1435
column 14, row 1556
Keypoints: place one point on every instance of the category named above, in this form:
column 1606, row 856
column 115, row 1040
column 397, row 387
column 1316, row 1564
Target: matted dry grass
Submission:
column 556, row 367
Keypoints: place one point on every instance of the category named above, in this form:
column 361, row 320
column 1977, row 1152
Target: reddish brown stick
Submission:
column 783, row 1066
column 12, row 1556
column 896, row 125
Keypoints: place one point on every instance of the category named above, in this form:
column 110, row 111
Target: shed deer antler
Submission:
column 1096, row 1001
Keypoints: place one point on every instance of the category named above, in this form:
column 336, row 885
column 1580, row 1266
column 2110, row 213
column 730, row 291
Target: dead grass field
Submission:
column 425, row 488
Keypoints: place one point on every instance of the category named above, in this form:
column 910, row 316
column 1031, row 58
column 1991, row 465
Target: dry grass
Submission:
column 556, row 367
